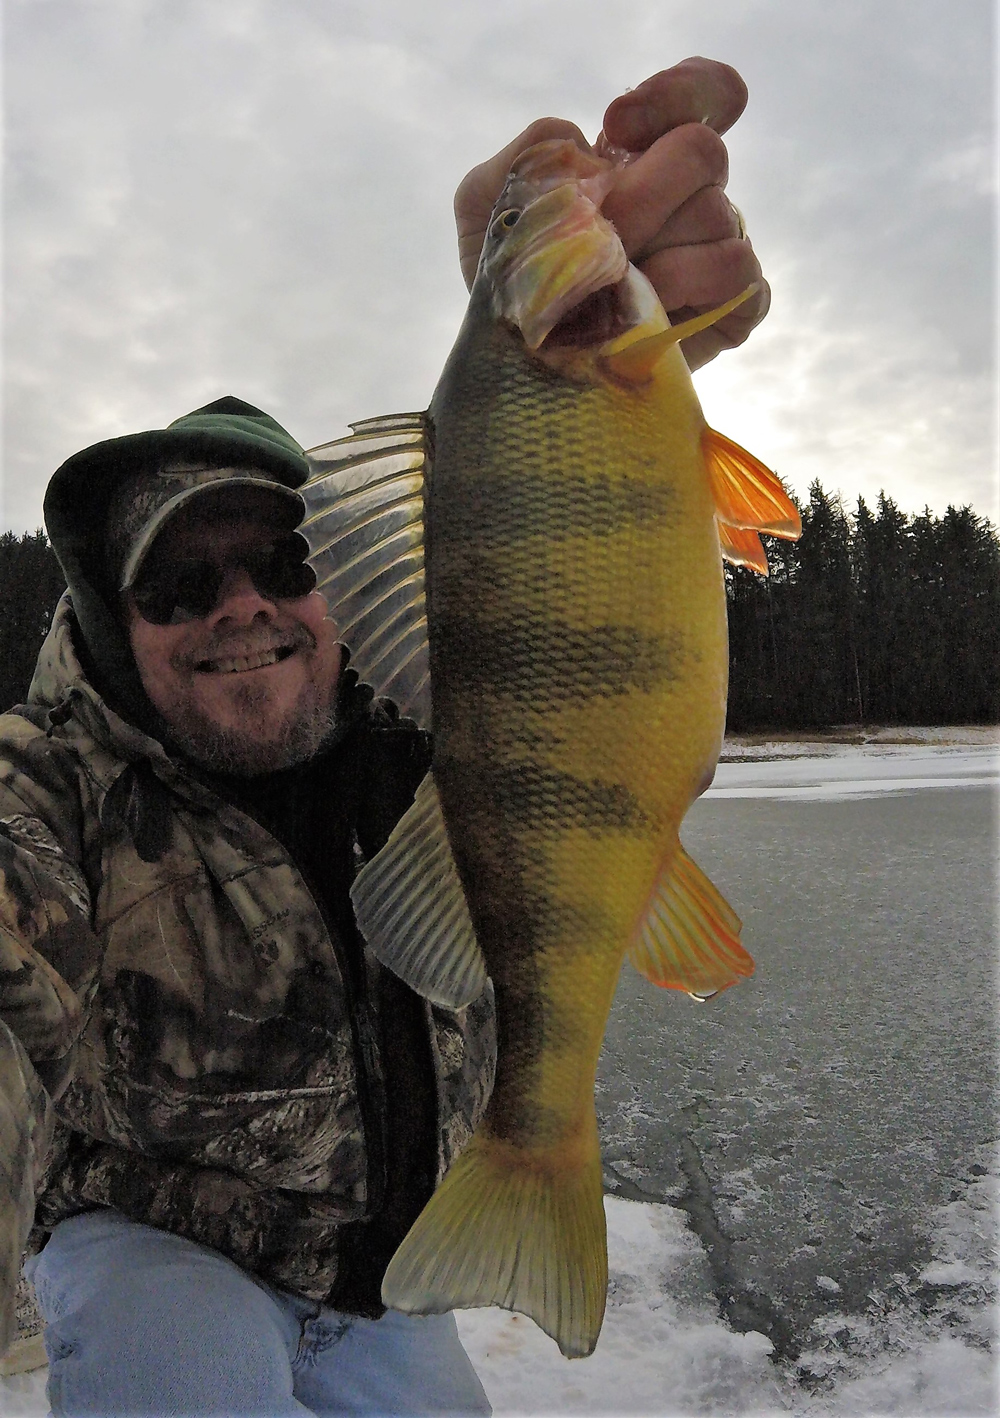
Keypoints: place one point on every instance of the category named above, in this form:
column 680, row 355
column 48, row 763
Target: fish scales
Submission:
column 553, row 684
column 570, row 604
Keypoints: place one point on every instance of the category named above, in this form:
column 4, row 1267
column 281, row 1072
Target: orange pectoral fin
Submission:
column 690, row 938
column 746, row 493
column 742, row 547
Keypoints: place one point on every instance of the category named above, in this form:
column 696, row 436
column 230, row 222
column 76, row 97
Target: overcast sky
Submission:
column 253, row 197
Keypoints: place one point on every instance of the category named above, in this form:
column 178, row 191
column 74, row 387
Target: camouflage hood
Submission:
column 61, row 686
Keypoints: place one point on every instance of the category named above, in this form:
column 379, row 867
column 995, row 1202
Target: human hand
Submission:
column 668, row 203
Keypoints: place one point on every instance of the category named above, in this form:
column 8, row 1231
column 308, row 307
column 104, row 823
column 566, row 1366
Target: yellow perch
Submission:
column 535, row 567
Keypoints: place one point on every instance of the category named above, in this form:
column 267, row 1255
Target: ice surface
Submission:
column 664, row 1351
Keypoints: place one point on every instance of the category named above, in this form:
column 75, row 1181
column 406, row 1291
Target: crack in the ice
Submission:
column 629, row 1190
column 744, row 1307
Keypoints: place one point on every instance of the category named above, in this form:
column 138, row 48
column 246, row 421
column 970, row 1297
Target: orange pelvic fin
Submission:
column 635, row 363
column 507, row 1228
column 702, row 322
column 689, row 939
column 746, row 493
column 742, row 547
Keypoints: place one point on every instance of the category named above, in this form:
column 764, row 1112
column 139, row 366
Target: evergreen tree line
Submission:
column 877, row 618
column 31, row 581
column 872, row 618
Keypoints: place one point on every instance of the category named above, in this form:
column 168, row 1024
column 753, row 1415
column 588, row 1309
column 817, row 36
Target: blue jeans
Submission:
column 140, row 1321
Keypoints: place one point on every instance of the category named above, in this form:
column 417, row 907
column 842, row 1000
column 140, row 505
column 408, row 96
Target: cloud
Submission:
column 255, row 198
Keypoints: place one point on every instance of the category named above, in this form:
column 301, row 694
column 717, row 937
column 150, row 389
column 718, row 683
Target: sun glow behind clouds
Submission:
column 862, row 413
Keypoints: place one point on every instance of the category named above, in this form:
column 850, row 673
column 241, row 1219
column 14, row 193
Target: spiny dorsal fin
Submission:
column 690, row 937
column 523, row 1231
column 365, row 529
column 742, row 547
column 746, row 493
column 411, row 908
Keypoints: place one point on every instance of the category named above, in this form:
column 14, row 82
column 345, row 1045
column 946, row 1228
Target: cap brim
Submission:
column 140, row 548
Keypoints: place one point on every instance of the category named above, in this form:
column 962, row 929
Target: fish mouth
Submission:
column 563, row 253
column 557, row 269
column 597, row 319
column 243, row 664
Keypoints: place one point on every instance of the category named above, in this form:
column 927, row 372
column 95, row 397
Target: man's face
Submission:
column 251, row 686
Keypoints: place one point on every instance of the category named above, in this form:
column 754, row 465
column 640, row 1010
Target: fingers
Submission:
column 694, row 91
column 670, row 208
column 701, row 276
column 692, row 279
column 728, row 333
column 668, row 203
column 480, row 188
column 654, row 187
column 707, row 216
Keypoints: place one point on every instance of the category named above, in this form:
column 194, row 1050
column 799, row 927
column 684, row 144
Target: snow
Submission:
column 664, row 1351
column 826, row 742
column 922, row 1345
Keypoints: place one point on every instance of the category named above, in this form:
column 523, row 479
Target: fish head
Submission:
column 555, row 268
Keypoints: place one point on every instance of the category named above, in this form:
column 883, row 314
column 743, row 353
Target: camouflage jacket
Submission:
column 180, row 997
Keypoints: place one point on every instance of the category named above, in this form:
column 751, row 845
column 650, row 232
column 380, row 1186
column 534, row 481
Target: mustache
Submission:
column 242, row 644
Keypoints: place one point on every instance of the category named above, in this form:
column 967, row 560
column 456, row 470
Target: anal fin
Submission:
column 689, row 939
column 506, row 1228
column 411, row 908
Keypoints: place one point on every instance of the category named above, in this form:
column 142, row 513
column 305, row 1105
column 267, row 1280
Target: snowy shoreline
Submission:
column 826, row 743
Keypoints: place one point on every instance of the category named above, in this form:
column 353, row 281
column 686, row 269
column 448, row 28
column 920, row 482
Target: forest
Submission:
column 872, row 617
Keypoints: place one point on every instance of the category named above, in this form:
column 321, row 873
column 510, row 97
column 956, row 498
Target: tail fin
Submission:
column 502, row 1231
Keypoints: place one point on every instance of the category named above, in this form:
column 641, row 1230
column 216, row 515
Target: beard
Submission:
column 254, row 742
column 257, row 746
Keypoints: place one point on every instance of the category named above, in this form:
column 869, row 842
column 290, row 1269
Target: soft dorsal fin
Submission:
column 690, row 938
column 365, row 527
column 746, row 493
column 411, row 908
column 742, row 547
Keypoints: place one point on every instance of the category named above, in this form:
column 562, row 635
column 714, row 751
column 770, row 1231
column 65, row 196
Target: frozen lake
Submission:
column 802, row 1215
column 814, row 1119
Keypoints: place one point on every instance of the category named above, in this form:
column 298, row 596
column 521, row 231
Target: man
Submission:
column 219, row 1112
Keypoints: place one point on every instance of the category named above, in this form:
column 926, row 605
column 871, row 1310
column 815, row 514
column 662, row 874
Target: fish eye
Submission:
column 507, row 219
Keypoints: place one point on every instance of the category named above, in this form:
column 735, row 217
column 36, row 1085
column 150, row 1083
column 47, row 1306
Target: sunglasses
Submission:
column 177, row 591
